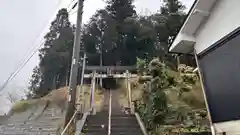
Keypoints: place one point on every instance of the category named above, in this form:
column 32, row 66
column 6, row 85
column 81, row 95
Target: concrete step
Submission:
column 95, row 129
column 120, row 128
column 96, row 133
column 98, row 119
column 33, row 122
column 123, row 121
column 120, row 125
column 28, row 133
column 125, row 124
column 28, row 129
column 93, row 125
column 126, row 133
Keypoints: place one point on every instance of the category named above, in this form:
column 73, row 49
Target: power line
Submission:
column 27, row 57
column 73, row 12
column 70, row 4
column 12, row 76
column 73, row 6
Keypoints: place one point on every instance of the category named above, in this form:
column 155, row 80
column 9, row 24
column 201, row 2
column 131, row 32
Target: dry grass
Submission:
column 71, row 130
column 56, row 97
column 22, row 106
column 194, row 98
column 98, row 96
column 136, row 90
column 122, row 96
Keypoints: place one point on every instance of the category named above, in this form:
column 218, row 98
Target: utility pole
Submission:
column 74, row 67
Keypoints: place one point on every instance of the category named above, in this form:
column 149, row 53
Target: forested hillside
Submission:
column 117, row 35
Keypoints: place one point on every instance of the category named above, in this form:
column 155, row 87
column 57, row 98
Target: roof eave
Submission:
column 199, row 11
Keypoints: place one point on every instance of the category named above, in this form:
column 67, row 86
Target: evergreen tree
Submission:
column 99, row 36
column 139, row 41
column 34, row 82
column 167, row 24
column 115, row 32
column 173, row 11
column 55, row 56
column 120, row 10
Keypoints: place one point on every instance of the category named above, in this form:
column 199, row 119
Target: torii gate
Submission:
column 109, row 70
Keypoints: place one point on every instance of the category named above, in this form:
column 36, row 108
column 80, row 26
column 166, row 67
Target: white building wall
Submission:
column 224, row 18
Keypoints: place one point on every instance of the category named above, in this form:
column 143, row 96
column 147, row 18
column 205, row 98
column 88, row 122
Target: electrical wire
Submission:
column 70, row 4
column 27, row 57
column 73, row 12
column 73, row 6
column 31, row 53
column 20, row 68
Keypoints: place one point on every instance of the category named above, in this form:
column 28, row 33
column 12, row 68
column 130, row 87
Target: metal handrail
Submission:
column 109, row 113
column 131, row 105
column 129, row 91
column 83, row 91
column 93, row 82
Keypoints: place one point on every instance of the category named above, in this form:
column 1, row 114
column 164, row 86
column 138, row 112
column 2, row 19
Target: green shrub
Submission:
column 169, row 97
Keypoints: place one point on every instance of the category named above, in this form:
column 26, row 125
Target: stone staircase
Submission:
column 96, row 124
column 122, row 122
column 33, row 122
column 28, row 129
column 125, row 124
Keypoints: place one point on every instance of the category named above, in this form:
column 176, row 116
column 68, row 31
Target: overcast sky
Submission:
column 24, row 22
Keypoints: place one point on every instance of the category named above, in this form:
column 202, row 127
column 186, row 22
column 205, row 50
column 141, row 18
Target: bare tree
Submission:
column 13, row 98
